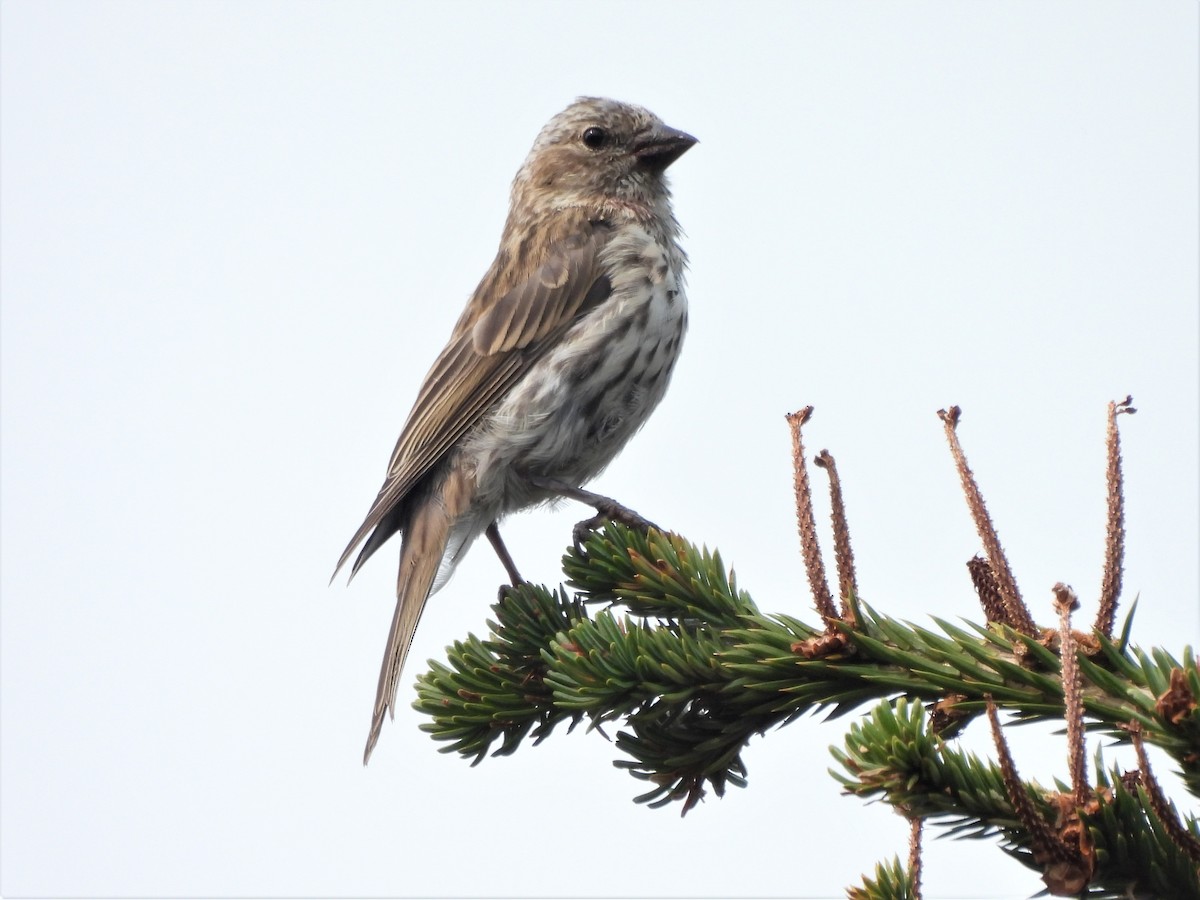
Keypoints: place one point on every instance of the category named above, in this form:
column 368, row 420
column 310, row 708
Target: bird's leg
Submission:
column 506, row 560
column 606, row 508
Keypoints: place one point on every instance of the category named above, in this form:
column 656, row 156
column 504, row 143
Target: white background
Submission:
column 236, row 235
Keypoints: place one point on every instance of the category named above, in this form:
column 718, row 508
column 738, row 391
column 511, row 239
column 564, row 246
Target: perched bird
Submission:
column 563, row 351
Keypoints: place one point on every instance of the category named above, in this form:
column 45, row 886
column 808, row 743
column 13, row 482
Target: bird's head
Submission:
column 601, row 154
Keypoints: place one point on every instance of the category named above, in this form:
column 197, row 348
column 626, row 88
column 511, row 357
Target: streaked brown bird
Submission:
column 560, row 356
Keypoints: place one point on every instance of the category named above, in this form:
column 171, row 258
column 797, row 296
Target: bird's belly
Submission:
column 580, row 403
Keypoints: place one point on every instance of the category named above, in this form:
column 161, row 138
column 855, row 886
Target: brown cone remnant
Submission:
column 806, row 521
column 842, row 551
column 1065, row 602
column 1114, row 550
column 1176, row 830
column 1063, row 850
column 1018, row 614
column 1176, row 701
column 989, row 592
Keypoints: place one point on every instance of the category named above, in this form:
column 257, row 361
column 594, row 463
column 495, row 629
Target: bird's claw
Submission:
column 609, row 511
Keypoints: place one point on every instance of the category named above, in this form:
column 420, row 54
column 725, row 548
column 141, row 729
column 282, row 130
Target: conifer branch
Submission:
column 915, row 831
column 697, row 669
column 686, row 662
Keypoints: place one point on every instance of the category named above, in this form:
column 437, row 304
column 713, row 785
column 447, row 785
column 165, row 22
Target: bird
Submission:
column 559, row 357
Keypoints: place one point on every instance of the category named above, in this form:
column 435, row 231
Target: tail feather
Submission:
column 426, row 536
column 376, row 530
column 421, row 554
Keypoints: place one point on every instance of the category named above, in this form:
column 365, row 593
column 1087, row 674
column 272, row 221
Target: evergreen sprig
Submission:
column 1136, row 856
column 692, row 669
column 495, row 690
column 891, row 882
column 893, row 754
column 696, row 670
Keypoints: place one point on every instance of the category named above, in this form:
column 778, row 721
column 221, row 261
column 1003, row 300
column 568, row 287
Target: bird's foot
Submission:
column 606, row 508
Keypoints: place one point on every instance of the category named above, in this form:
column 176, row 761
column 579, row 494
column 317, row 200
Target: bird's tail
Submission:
column 426, row 535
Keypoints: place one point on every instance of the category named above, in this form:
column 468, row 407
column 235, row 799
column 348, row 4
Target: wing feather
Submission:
column 484, row 359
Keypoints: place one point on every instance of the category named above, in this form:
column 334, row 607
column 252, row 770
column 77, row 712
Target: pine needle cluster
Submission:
column 653, row 635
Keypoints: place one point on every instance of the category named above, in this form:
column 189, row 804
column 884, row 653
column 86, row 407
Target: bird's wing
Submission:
column 486, row 355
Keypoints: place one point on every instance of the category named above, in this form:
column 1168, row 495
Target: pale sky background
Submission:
column 235, row 235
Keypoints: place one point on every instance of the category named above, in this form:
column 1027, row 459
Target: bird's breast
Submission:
column 581, row 401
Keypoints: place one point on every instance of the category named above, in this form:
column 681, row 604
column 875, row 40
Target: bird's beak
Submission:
column 660, row 146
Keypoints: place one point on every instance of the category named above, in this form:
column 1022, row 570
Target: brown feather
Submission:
column 425, row 537
column 494, row 344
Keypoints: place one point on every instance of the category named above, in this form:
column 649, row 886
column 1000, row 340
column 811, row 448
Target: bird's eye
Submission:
column 595, row 137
